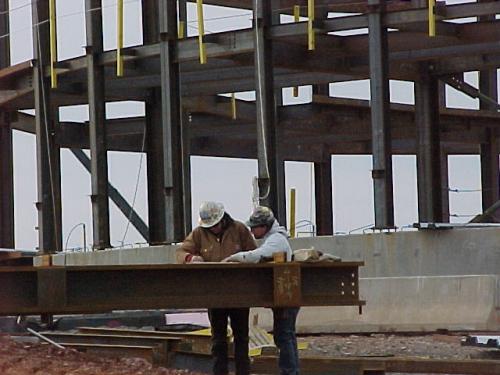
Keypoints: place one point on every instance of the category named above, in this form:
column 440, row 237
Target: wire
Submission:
column 261, row 113
column 129, row 218
column 465, row 190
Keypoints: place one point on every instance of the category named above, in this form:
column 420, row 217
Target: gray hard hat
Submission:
column 261, row 215
column 211, row 213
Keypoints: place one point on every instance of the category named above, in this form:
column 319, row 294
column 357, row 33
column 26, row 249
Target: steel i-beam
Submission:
column 6, row 162
column 92, row 289
column 97, row 120
column 381, row 137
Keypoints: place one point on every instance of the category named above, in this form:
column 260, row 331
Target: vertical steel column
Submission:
column 445, row 195
column 429, row 177
column 171, row 125
column 490, row 167
column 323, row 193
column 381, row 137
column 323, row 178
column 48, row 155
column 183, row 16
column 186, row 138
column 186, row 161
column 154, row 136
column 97, row 128
column 490, row 174
column 271, row 191
column 280, row 209
column 445, row 187
column 6, row 165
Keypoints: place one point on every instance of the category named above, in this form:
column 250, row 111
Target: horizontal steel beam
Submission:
column 66, row 290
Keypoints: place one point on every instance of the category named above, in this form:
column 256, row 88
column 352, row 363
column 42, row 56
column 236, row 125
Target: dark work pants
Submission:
column 239, row 325
column 286, row 340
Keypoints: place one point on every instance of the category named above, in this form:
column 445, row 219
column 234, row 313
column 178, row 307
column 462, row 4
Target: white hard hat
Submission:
column 210, row 214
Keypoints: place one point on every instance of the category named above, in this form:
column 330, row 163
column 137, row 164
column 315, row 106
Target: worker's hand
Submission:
column 194, row 259
column 233, row 258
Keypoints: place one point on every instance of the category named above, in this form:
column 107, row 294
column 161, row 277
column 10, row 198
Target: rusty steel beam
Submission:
column 32, row 290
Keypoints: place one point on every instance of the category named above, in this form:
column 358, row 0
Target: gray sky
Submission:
column 222, row 179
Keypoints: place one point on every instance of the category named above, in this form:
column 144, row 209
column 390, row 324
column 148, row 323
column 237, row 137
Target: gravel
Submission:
column 432, row 346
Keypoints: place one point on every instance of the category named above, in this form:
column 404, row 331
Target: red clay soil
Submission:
column 35, row 359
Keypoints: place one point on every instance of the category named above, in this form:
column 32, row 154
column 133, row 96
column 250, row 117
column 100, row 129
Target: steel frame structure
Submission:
column 185, row 115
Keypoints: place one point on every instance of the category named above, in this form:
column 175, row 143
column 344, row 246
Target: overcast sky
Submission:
column 222, row 179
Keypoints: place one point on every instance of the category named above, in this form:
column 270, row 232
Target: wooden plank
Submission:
column 6, row 254
column 322, row 365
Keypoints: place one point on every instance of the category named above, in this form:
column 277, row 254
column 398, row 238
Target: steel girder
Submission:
column 92, row 289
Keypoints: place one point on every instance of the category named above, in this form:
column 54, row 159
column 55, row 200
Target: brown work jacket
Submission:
column 202, row 242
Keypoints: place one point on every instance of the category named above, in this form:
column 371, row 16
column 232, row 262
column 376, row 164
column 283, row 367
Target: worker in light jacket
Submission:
column 217, row 237
column 275, row 239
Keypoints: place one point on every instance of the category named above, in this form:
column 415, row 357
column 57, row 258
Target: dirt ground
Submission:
column 21, row 358
column 432, row 346
column 34, row 359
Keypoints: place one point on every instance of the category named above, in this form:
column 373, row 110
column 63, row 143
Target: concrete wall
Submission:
column 422, row 253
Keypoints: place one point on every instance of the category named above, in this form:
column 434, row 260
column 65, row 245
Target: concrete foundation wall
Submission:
column 412, row 281
column 417, row 253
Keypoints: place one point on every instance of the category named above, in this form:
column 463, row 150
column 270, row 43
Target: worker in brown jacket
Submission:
column 217, row 237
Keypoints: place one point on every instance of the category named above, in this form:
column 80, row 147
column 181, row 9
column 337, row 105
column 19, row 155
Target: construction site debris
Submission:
column 36, row 359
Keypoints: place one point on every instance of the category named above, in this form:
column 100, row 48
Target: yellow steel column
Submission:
column 233, row 106
column 311, row 38
column 53, row 43
column 119, row 41
column 201, row 31
column 292, row 213
column 180, row 30
column 432, row 18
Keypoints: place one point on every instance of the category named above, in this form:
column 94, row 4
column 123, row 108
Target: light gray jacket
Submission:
column 275, row 241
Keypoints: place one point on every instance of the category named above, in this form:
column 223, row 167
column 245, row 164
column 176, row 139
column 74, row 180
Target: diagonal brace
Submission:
column 117, row 198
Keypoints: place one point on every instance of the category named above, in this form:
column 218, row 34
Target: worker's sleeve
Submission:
column 272, row 245
column 246, row 239
column 189, row 246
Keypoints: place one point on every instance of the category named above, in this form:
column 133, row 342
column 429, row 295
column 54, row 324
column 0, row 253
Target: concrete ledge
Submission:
column 141, row 255
column 409, row 304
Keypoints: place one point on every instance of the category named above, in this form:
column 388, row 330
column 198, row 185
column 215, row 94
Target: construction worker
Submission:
column 264, row 226
column 217, row 237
